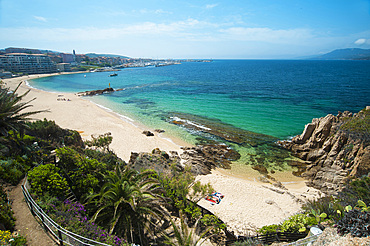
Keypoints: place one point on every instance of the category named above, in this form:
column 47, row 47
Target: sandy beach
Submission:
column 247, row 204
column 77, row 113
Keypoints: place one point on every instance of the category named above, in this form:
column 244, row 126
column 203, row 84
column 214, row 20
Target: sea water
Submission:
column 247, row 104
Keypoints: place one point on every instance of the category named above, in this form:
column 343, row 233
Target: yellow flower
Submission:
column 5, row 236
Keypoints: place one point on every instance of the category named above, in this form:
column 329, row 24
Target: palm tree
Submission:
column 11, row 105
column 128, row 203
column 185, row 236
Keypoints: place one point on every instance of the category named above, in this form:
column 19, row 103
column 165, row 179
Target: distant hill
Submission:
column 345, row 54
column 93, row 55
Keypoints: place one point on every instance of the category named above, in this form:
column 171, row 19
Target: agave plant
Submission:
column 11, row 107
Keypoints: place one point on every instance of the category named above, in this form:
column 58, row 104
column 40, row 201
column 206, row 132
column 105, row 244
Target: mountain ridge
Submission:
column 344, row 54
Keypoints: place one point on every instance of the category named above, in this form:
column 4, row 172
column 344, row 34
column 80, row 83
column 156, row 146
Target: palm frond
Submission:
column 11, row 107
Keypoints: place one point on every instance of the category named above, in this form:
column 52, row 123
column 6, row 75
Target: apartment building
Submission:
column 64, row 67
column 27, row 63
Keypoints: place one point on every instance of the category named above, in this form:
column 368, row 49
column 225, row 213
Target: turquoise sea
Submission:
column 247, row 104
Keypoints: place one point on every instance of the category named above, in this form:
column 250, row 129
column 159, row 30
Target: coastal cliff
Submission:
column 334, row 148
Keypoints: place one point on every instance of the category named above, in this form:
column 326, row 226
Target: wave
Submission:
column 122, row 117
column 32, row 87
column 174, row 118
column 143, row 86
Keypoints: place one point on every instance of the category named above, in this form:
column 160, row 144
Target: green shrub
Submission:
column 11, row 171
column 6, row 213
column 18, row 240
column 192, row 211
column 47, row 202
column 361, row 189
column 12, row 239
column 179, row 185
column 101, row 141
column 109, row 158
column 46, row 179
column 86, row 174
column 214, row 222
column 327, row 204
column 298, row 223
column 56, row 136
column 359, row 124
column 268, row 229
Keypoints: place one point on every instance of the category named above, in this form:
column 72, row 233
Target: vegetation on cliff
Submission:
column 358, row 125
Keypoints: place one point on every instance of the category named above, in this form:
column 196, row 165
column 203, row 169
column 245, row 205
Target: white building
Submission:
column 64, row 67
column 27, row 63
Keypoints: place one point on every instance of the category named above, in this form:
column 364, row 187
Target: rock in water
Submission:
column 95, row 92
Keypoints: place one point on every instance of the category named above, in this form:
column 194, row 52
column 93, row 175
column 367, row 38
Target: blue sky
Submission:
column 239, row 29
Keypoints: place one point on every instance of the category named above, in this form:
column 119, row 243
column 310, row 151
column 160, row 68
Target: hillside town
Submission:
column 23, row 61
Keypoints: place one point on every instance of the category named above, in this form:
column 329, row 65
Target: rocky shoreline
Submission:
column 201, row 159
column 95, row 92
column 331, row 149
column 334, row 149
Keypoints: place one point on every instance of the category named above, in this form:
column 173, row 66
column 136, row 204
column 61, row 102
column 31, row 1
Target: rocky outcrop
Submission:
column 158, row 160
column 200, row 159
column 335, row 149
column 203, row 158
column 95, row 92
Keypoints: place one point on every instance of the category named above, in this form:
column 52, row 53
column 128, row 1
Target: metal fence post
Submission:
column 43, row 222
column 60, row 236
column 31, row 207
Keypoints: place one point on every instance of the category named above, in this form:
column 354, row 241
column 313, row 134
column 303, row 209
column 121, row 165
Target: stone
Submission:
column 269, row 202
column 308, row 130
column 315, row 154
column 148, row 133
column 261, row 169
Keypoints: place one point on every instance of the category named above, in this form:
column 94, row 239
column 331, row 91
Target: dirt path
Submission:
column 26, row 224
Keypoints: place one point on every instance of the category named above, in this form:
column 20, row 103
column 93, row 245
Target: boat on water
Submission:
column 113, row 74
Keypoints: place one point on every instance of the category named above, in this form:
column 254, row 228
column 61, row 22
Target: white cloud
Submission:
column 40, row 18
column 190, row 29
column 180, row 29
column 360, row 41
column 211, row 6
column 155, row 11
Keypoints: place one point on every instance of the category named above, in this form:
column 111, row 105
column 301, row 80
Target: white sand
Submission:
column 88, row 118
column 247, row 205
